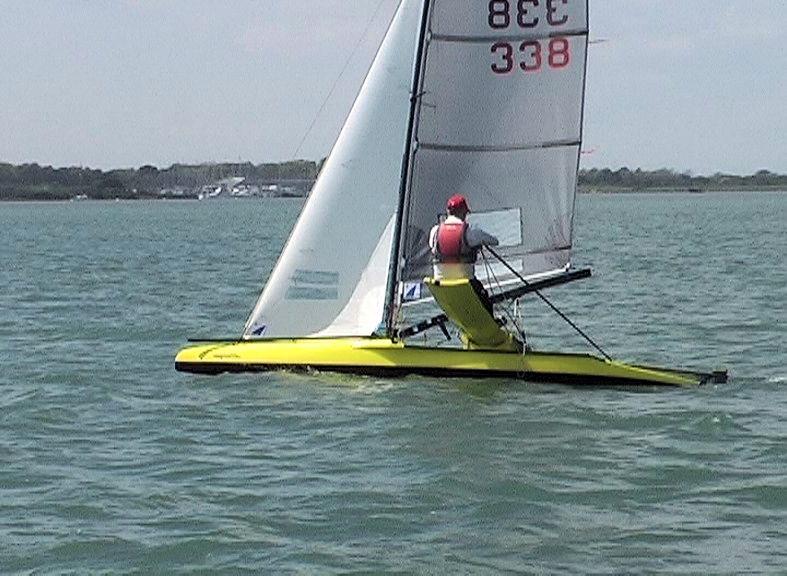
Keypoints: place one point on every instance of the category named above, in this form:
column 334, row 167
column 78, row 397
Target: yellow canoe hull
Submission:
column 381, row 356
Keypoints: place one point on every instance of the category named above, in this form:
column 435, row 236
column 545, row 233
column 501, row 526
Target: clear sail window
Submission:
column 505, row 225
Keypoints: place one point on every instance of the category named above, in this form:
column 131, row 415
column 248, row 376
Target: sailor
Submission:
column 455, row 245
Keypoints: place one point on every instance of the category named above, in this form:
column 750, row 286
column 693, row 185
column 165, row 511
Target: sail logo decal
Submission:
column 412, row 291
column 313, row 285
column 529, row 55
column 259, row 330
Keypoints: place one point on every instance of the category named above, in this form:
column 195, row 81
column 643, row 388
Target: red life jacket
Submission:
column 451, row 245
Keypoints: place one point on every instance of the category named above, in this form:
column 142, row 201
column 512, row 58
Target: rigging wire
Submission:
column 339, row 77
column 548, row 303
column 490, row 274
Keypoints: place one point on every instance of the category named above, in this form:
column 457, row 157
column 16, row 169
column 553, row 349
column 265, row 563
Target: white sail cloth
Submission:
column 331, row 277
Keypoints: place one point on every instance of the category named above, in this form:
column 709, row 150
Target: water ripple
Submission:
column 114, row 463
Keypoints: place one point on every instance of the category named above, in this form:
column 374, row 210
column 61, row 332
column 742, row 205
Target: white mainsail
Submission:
column 500, row 121
column 331, row 277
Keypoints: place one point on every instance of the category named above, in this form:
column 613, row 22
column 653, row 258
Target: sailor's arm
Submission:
column 433, row 239
column 476, row 237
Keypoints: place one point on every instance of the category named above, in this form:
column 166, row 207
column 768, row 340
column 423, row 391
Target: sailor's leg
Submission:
column 483, row 295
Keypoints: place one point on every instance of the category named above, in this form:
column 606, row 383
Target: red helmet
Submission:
column 457, row 202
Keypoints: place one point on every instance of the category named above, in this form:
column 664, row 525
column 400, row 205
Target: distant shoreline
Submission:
column 667, row 190
column 294, row 179
column 582, row 192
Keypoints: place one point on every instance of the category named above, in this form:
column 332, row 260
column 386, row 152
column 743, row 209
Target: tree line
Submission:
column 34, row 182
column 663, row 179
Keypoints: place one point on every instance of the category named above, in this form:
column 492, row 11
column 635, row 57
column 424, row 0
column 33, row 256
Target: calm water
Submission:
column 114, row 463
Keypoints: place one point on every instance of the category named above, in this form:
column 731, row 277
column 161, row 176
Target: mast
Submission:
column 393, row 272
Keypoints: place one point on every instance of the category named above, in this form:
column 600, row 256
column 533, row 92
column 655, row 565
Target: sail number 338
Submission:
column 530, row 55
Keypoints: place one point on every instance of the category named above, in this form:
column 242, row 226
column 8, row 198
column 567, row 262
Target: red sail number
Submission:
column 531, row 59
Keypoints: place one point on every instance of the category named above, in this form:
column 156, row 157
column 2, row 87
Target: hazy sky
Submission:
column 697, row 85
